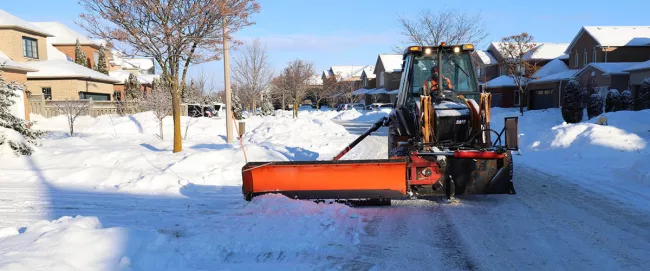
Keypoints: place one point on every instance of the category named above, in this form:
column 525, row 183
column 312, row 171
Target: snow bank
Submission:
column 348, row 115
column 585, row 151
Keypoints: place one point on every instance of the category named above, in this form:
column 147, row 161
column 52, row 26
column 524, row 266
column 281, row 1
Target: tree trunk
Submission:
column 160, row 124
column 283, row 105
column 71, row 129
column 176, row 115
column 254, row 108
column 295, row 109
column 521, row 102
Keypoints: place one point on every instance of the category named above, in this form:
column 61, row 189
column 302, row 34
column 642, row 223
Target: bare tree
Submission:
column 159, row 101
column 514, row 50
column 278, row 90
column 72, row 109
column 175, row 33
column 450, row 26
column 295, row 79
column 252, row 72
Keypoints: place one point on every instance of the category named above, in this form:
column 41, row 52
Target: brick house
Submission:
column 388, row 71
column 605, row 76
column 64, row 40
column 495, row 78
column 545, row 87
column 16, row 71
column 609, row 44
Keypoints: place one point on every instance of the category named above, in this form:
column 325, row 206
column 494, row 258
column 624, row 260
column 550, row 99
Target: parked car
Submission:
column 305, row 107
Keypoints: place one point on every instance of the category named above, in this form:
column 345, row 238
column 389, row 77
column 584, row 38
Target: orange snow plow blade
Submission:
column 342, row 179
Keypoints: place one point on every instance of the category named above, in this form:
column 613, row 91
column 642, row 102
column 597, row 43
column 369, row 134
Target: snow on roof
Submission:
column 122, row 75
column 347, row 72
column 501, row 81
column 620, row 35
column 141, row 63
column 63, row 34
column 611, row 67
column 486, row 57
column 8, row 20
column 392, row 63
column 7, row 63
column 315, row 80
column 547, row 50
column 640, row 66
column 53, row 53
column 370, row 75
column 564, row 75
column 62, row 68
column 552, row 67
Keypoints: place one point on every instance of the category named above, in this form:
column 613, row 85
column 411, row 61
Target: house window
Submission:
column 30, row 47
column 575, row 60
column 585, row 58
column 117, row 95
column 594, row 57
column 381, row 79
column 47, row 93
column 516, row 98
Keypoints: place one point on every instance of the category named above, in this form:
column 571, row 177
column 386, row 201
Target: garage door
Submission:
column 496, row 99
column 543, row 99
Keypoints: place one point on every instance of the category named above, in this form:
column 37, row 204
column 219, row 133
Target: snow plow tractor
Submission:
column 439, row 142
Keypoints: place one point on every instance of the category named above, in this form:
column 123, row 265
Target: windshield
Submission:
column 454, row 67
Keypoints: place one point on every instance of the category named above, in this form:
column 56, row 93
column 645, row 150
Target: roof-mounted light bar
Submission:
column 428, row 50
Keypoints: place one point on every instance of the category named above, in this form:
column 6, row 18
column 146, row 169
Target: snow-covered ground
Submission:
column 116, row 198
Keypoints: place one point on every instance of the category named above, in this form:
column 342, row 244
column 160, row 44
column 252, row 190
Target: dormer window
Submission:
column 30, row 47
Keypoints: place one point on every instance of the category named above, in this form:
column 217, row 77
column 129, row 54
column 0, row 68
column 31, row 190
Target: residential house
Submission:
column 638, row 73
column 545, row 86
column 388, row 71
column 65, row 38
column 51, row 73
column 496, row 79
column 348, row 74
column 13, row 71
column 602, row 77
column 121, row 76
column 609, row 44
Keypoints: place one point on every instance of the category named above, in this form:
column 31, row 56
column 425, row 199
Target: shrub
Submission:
column 627, row 100
column 595, row 106
column 644, row 94
column 613, row 101
column 571, row 106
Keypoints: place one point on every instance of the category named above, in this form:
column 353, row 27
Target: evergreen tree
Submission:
column 132, row 88
column 8, row 92
column 267, row 106
column 595, row 107
column 101, row 61
column 644, row 94
column 628, row 100
column 571, row 107
column 613, row 101
column 79, row 55
column 236, row 106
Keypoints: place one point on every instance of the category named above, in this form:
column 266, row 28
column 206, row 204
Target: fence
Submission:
column 47, row 108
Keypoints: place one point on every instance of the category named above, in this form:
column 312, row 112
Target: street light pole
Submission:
column 226, row 79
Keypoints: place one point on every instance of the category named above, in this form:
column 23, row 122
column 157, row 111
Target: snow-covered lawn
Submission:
column 115, row 197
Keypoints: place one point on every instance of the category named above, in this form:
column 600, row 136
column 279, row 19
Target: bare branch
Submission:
column 450, row 26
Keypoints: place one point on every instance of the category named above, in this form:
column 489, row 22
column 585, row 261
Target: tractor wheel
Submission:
column 393, row 148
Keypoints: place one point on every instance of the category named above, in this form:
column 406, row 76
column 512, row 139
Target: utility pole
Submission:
column 226, row 80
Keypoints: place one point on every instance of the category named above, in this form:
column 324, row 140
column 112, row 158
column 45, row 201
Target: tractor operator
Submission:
column 431, row 86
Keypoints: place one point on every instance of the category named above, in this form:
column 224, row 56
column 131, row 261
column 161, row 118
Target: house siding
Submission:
column 507, row 95
column 20, row 77
column 88, row 50
column 584, row 42
column 69, row 88
column 626, row 54
column 11, row 43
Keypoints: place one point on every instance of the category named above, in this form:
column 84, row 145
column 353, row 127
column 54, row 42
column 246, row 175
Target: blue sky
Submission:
column 354, row 32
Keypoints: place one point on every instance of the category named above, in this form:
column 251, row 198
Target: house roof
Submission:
column 141, row 63
column 65, row 69
column 563, row 75
column 391, row 63
column 552, row 67
column 369, row 75
column 122, row 75
column 7, row 63
column 610, row 67
column 347, row 72
column 53, row 53
column 547, row 50
column 616, row 35
column 501, row 81
column 64, row 35
column 7, row 20
column 486, row 57
column 541, row 51
column 640, row 66
column 315, row 80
